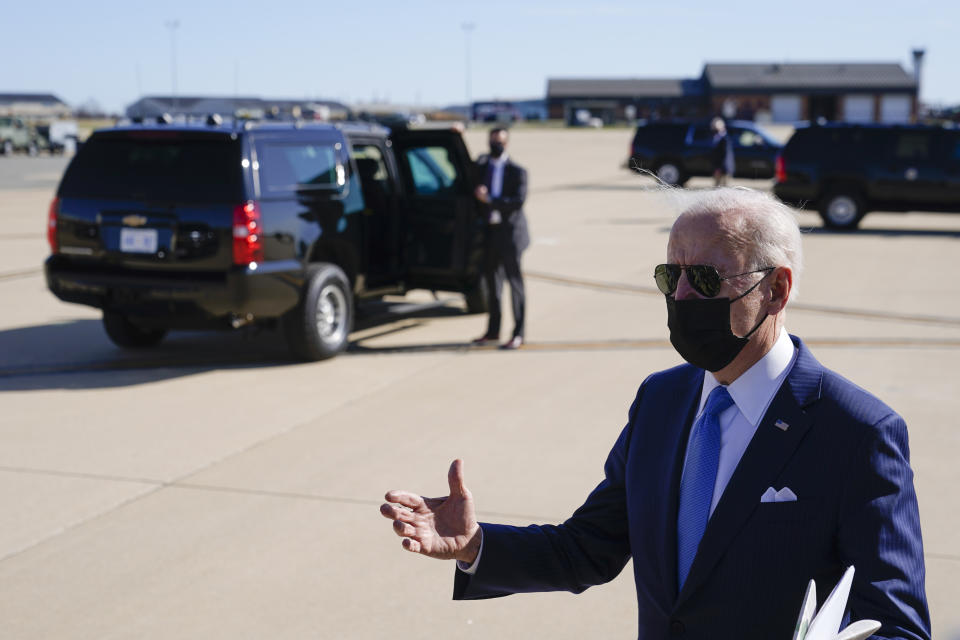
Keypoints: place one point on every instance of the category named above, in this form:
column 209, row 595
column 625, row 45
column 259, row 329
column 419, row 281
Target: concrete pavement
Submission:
column 213, row 489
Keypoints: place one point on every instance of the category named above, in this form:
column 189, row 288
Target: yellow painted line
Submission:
column 460, row 348
column 811, row 308
column 814, row 342
column 642, row 344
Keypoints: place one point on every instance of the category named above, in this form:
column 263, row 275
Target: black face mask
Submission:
column 496, row 149
column 700, row 330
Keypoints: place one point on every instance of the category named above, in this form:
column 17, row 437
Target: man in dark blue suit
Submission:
column 501, row 191
column 738, row 477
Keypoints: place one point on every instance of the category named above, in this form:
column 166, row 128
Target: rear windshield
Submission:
column 300, row 166
column 660, row 134
column 167, row 166
column 839, row 144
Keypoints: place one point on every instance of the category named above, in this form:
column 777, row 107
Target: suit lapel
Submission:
column 768, row 452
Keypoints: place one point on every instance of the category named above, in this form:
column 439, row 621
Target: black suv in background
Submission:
column 846, row 170
column 677, row 150
column 190, row 227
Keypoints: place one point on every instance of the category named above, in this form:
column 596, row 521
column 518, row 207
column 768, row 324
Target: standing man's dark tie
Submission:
column 699, row 477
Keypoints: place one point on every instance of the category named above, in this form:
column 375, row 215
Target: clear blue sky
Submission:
column 415, row 52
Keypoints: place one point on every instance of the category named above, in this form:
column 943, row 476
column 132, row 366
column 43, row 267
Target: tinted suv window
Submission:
column 432, row 170
column 953, row 148
column 300, row 166
column 658, row 135
column 748, row 138
column 912, row 146
column 156, row 165
column 702, row 134
column 839, row 144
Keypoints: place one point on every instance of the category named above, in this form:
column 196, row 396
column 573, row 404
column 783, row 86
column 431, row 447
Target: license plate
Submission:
column 138, row 240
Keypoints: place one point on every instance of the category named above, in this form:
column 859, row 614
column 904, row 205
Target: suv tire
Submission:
column 319, row 326
column 7, row 148
column 841, row 209
column 128, row 335
column 670, row 173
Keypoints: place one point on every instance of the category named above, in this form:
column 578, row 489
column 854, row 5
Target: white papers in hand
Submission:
column 825, row 625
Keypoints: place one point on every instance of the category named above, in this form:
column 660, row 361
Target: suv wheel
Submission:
column 318, row 327
column 126, row 334
column 7, row 148
column 841, row 209
column 669, row 173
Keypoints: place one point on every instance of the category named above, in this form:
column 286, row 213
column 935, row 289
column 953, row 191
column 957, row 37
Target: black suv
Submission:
column 677, row 150
column 846, row 170
column 189, row 227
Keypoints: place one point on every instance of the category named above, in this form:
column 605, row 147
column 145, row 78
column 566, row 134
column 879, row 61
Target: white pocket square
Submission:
column 784, row 495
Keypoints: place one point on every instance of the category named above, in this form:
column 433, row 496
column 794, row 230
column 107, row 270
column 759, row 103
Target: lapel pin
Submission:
column 780, row 424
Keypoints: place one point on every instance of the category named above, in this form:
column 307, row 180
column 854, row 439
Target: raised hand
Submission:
column 444, row 528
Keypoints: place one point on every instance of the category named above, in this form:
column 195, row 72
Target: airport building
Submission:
column 619, row 99
column 34, row 106
column 767, row 92
column 512, row 110
column 862, row 92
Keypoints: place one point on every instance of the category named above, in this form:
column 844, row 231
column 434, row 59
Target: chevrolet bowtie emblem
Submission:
column 133, row 220
column 780, row 424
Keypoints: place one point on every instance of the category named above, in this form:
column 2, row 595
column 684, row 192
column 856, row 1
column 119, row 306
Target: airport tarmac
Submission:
column 213, row 489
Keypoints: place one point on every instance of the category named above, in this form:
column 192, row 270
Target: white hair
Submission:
column 756, row 223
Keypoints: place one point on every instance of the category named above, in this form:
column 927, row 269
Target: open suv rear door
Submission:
column 443, row 233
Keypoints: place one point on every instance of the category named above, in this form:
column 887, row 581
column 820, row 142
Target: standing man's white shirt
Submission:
column 752, row 394
column 496, row 184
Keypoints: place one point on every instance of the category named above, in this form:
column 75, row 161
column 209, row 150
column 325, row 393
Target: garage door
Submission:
column 895, row 109
column 785, row 108
column 858, row 108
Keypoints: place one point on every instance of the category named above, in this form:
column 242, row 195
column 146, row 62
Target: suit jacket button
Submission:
column 677, row 628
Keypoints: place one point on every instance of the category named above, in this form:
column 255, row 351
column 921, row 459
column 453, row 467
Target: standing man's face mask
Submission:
column 496, row 149
column 700, row 327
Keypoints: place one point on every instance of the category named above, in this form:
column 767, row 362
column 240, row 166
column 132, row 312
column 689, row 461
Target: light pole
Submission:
column 467, row 30
column 173, row 25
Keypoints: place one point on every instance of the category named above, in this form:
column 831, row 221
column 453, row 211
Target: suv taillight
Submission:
column 52, row 225
column 781, row 169
column 247, row 241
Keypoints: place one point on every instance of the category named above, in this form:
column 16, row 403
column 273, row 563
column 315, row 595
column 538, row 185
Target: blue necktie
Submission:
column 699, row 476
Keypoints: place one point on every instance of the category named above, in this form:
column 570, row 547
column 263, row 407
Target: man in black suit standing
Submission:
column 501, row 189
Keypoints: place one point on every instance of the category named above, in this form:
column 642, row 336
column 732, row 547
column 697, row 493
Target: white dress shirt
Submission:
column 752, row 394
column 496, row 183
column 496, row 180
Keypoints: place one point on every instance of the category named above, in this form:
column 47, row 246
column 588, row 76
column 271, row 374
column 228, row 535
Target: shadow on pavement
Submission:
column 78, row 355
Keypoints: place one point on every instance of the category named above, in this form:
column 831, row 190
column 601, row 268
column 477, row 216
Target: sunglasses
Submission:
column 704, row 279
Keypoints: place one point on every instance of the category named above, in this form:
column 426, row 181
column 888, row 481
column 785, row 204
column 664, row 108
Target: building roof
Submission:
column 45, row 98
column 152, row 105
column 616, row 87
column 188, row 102
column 854, row 75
